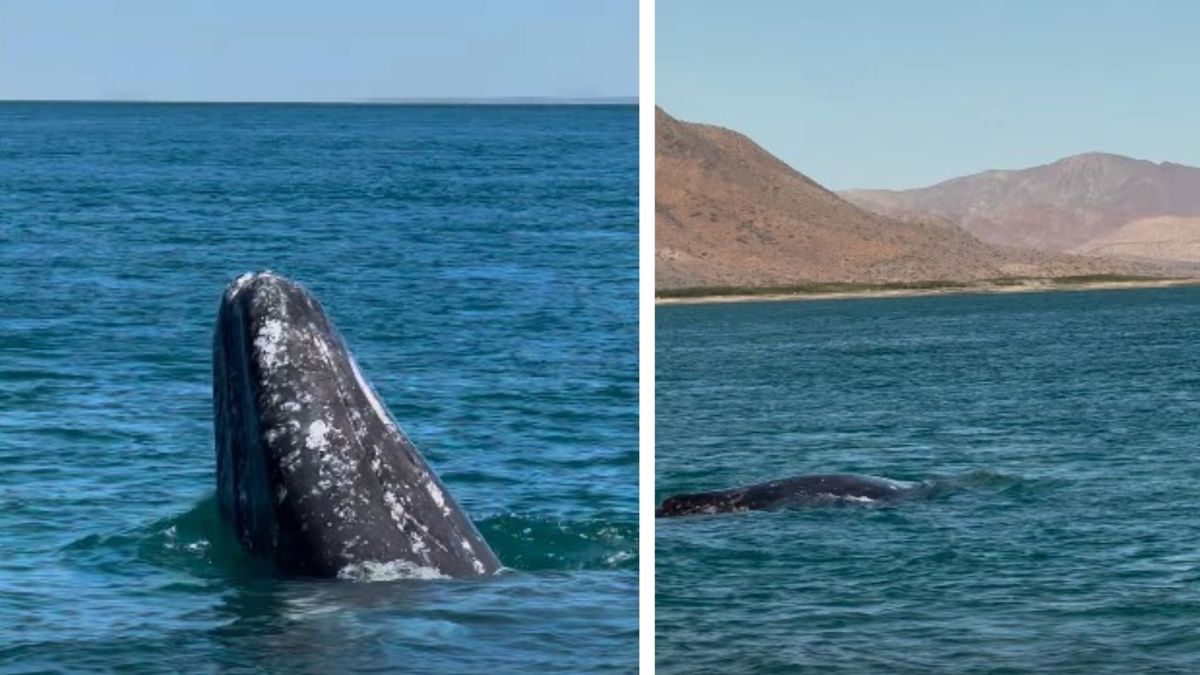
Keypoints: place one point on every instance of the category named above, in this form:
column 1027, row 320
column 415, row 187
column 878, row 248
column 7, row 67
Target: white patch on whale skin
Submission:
column 290, row 460
column 395, row 509
column 402, row 518
column 437, row 496
column 316, row 436
column 388, row 571
column 280, row 494
column 269, row 343
column 419, row 547
column 319, row 342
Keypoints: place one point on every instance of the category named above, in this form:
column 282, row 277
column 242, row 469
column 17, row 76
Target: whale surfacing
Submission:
column 812, row 490
column 311, row 468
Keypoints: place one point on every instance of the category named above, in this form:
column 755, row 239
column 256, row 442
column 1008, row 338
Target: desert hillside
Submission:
column 1054, row 207
column 1166, row 238
column 729, row 214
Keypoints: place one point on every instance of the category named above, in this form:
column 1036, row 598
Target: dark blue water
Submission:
column 481, row 262
column 1060, row 429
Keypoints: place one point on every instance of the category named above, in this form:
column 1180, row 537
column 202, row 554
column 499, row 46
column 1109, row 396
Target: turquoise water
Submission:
column 481, row 263
column 1060, row 429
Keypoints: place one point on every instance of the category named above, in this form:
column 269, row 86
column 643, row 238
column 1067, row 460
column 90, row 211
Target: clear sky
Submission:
column 899, row 94
column 301, row 50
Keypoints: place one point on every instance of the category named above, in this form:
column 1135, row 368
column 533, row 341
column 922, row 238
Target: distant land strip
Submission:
column 479, row 101
column 508, row 100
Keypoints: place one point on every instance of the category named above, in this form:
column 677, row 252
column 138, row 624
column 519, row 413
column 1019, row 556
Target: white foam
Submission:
column 300, row 607
column 388, row 571
column 618, row 558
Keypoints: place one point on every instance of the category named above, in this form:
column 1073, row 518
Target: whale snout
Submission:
column 252, row 281
column 682, row 505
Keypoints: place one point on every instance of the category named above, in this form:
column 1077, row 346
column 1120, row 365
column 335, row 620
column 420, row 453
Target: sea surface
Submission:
column 481, row 263
column 1059, row 431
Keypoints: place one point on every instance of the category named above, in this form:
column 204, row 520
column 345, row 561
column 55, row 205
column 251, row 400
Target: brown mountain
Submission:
column 1168, row 238
column 730, row 214
column 1054, row 207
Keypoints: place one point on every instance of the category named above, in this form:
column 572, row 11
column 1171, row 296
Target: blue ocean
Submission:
column 481, row 264
column 1059, row 431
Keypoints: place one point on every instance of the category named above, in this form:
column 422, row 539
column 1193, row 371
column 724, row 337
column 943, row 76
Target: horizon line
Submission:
column 386, row 100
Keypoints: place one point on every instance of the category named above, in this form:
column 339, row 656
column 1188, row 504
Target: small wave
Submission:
column 977, row 480
column 198, row 542
column 538, row 543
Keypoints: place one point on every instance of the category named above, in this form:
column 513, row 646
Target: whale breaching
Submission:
column 311, row 468
column 813, row 490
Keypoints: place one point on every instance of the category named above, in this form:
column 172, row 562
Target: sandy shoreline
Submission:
column 1024, row 287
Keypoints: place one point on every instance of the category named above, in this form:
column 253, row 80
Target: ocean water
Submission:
column 1059, row 429
column 481, row 263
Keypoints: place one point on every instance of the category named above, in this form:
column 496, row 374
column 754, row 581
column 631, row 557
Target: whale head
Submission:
column 686, row 505
column 312, row 469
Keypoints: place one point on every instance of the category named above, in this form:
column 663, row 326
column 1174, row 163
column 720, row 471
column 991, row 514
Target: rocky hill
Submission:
column 1055, row 207
column 729, row 214
column 1166, row 238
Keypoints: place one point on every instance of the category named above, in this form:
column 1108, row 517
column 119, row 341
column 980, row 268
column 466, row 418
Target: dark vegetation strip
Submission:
column 814, row 288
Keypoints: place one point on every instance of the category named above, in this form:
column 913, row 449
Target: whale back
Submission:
column 808, row 490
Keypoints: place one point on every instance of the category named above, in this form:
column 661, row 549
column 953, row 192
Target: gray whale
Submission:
column 811, row 490
column 311, row 468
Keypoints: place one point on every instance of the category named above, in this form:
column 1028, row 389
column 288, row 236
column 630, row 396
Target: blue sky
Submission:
column 269, row 50
column 903, row 94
